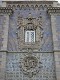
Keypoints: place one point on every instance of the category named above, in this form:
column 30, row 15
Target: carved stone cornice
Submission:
column 29, row 5
column 6, row 10
column 35, row 2
column 54, row 10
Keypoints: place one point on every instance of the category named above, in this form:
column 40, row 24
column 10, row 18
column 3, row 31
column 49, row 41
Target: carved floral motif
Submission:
column 29, row 23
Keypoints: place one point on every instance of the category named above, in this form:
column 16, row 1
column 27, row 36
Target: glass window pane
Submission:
column 32, row 36
column 29, row 36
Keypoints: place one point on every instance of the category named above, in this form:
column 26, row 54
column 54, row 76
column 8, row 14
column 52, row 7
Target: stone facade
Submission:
column 30, row 61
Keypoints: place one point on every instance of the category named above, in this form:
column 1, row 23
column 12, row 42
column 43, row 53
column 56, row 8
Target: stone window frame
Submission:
column 23, row 24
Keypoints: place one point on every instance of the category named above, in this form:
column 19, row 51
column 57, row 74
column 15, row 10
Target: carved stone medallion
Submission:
column 30, row 62
column 30, row 66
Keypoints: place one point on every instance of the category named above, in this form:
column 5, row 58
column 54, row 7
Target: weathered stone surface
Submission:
column 1, row 30
column 21, row 61
column 2, row 65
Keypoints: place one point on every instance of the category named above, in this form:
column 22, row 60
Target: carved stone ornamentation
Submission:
column 29, row 23
column 30, row 64
column 54, row 10
column 28, row 6
column 6, row 10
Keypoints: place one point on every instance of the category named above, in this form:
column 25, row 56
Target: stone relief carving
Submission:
column 29, row 23
column 30, row 64
column 6, row 10
column 28, row 6
column 53, row 10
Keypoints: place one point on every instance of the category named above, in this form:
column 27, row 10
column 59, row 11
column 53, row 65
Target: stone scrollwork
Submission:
column 29, row 66
column 29, row 23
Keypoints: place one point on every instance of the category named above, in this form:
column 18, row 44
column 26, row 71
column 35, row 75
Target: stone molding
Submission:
column 27, row 51
column 5, row 10
column 54, row 10
column 39, row 2
column 29, row 6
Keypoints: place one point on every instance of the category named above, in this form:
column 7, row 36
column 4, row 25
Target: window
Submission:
column 29, row 36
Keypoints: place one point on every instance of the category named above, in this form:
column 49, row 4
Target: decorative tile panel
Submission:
column 46, row 69
column 46, row 43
